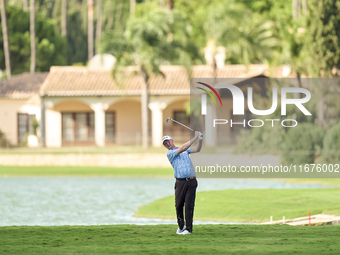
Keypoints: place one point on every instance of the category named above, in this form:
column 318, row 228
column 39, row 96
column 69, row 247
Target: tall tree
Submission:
column 90, row 28
column 246, row 40
column 170, row 4
column 322, row 52
column 296, row 7
column 322, row 38
column 147, row 46
column 64, row 18
column 304, row 7
column 32, row 36
column 132, row 7
column 25, row 5
column 5, row 38
column 50, row 45
column 99, row 22
column 162, row 3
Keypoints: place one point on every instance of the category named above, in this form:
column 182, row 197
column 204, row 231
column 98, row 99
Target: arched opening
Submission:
column 77, row 123
column 177, row 111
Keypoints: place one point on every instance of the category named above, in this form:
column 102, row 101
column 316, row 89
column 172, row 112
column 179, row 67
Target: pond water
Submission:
column 99, row 201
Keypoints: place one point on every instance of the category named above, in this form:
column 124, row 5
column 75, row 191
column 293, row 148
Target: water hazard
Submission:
column 47, row 201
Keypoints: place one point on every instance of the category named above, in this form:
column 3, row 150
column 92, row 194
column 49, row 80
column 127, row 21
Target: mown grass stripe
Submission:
column 251, row 205
column 161, row 239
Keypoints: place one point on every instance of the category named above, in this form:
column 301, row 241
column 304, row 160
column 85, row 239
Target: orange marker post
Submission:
column 310, row 220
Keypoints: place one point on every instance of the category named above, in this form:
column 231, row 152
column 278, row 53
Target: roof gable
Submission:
column 82, row 81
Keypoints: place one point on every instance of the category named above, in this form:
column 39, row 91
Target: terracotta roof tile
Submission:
column 81, row 81
column 22, row 86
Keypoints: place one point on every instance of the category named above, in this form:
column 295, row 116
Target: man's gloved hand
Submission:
column 200, row 136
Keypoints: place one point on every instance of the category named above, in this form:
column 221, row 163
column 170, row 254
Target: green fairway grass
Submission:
column 84, row 171
column 161, row 239
column 251, row 205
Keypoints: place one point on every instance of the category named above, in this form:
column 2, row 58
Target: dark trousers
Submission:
column 185, row 194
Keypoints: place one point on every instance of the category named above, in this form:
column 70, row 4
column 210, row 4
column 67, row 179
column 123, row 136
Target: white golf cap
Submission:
column 166, row 138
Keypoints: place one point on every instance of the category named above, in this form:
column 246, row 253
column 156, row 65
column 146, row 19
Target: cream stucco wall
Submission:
column 72, row 106
column 9, row 110
column 128, row 121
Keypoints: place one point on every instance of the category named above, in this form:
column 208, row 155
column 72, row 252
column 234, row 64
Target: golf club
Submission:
column 179, row 124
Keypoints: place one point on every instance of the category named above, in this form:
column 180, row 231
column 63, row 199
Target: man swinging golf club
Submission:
column 186, row 183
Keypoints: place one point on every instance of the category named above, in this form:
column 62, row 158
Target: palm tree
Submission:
column 254, row 42
column 132, row 7
column 25, row 5
column 90, row 28
column 99, row 21
column 64, row 18
column 32, row 35
column 162, row 3
column 245, row 40
column 5, row 36
column 146, row 48
column 170, row 4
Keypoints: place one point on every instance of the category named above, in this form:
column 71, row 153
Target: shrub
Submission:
column 34, row 125
column 302, row 144
column 3, row 141
column 331, row 145
column 262, row 140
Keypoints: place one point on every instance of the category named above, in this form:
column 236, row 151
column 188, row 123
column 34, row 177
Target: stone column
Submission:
column 42, row 122
column 210, row 131
column 157, row 123
column 53, row 136
column 99, row 123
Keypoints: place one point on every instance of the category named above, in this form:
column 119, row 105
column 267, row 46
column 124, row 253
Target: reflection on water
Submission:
column 99, row 201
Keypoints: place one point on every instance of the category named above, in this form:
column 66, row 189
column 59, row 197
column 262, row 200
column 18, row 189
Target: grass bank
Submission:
column 84, row 171
column 252, row 205
column 120, row 172
column 325, row 181
column 82, row 150
column 161, row 239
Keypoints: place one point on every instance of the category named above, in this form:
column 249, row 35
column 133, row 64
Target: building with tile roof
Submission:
column 83, row 106
column 20, row 105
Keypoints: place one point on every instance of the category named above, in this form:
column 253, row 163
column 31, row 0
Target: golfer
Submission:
column 186, row 183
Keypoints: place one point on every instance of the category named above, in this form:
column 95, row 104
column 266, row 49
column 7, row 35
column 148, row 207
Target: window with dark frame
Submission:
column 78, row 128
column 25, row 126
column 110, row 127
column 181, row 116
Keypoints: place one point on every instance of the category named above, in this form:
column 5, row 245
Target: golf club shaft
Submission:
column 182, row 125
